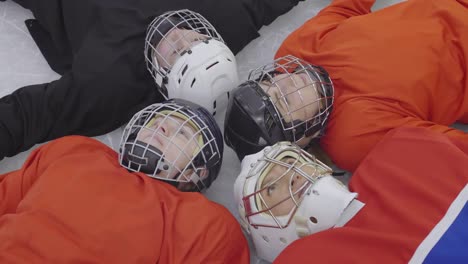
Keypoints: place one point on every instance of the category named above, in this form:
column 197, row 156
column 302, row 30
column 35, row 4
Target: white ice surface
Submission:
column 22, row 64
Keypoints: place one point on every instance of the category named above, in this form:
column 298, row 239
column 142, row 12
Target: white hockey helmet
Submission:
column 283, row 193
column 188, row 59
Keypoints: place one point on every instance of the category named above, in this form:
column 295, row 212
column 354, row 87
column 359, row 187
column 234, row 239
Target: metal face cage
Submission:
column 300, row 93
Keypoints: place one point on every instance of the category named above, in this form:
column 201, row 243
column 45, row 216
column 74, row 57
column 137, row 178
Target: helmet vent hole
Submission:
column 214, row 104
column 283, row 240
column 184, row 70
column 313, row 220
column 228, row 94
column 266, row 239
column 193, row 82
column 229, row 59
column 211, row 65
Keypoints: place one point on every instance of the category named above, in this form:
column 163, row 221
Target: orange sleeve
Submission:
column 15, row 185
column 215, row 235
column 343, row 9
column 355, row 128
column 10, row 191
column 307, row 37
column 229, row 245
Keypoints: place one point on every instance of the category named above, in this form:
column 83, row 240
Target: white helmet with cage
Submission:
column 188, row 59
column 283, row 193
column 176, row 141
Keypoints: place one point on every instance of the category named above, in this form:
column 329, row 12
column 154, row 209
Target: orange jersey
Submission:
column 73, row 202
column 404, row 65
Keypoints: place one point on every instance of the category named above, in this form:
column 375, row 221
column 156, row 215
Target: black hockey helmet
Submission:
column 176, row 141
column 258, row 113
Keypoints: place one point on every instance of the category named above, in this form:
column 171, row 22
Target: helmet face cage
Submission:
column 170, row 142
column 194, row 29
column 299, row 93
column 299, row 171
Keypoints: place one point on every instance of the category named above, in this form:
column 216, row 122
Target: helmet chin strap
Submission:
column 149, row 158
column 152, row 162
column 325, row 205
column 348, row 213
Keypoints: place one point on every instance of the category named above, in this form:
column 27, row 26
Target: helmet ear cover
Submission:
column 136, row 157
column 251, row 121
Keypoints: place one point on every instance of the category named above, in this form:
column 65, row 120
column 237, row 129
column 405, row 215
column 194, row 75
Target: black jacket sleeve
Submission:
column 106, row 86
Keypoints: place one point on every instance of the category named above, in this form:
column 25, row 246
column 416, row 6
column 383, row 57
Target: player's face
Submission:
column 178, row 140
column 173, row 44
column 282, row 188
column 295, row 96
